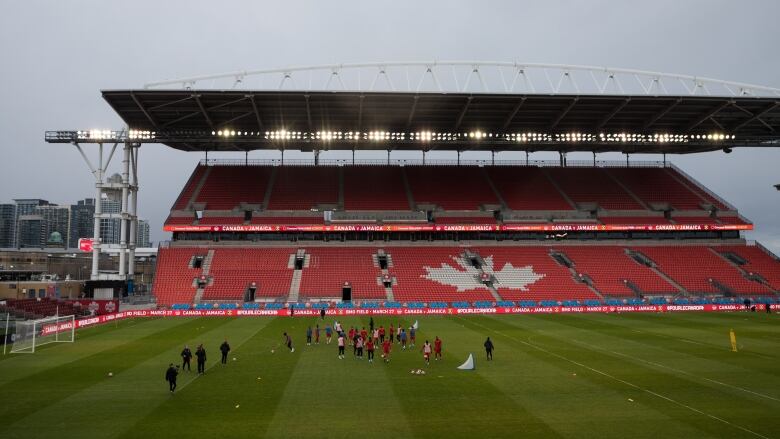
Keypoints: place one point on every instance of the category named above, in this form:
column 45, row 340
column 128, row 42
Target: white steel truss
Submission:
column 470, row 76
column 128, row 215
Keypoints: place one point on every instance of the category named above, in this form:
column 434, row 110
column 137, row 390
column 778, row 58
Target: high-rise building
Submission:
column 7, row 225
column 82, row 222
column 26, row 207
column 110, row 228
column 30, row 232
column 142, row 235
column 56, row 224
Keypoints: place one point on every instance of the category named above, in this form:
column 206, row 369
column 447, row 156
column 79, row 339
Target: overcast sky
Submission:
column 56, row 56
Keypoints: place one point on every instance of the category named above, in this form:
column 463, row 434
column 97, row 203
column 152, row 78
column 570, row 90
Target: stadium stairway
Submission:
column 386, row 272
column 469, row 255
column 626, row 189
column 205, row 272
column 641, row 258
column 758, row 279
column 295, row 283
column 495, row 190
column 269, row 190
column 571, row 265
column 558, row 188
column 408, row 190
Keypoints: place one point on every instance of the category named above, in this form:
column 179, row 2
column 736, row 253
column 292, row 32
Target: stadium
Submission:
column 625, row 283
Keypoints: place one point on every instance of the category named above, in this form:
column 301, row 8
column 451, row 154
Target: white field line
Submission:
column 632, row 385
column 682, row 372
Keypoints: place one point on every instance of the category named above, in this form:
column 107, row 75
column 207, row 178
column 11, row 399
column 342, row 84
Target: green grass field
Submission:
column 599, row 375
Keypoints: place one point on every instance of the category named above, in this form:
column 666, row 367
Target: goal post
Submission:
column 30, row 334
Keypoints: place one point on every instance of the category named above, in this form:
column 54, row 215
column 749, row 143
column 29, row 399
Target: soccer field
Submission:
column 584, row 375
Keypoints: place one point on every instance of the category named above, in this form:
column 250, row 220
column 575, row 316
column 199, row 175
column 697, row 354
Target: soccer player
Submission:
column 402, row 338
column 288, row 342
column 201, row 354
column 437, row 348
column 186, row 356
column 353, row 342
column 426, row 350
column 351, row 335
column 341, row 346
column 391, row 333
column 328, row 334
column 359, row 347
column 370, row 350
column 489, row 349
column 386, row 346
column 375, row 336
column 322, row 313
column 364, row 334
column 398, row 333
column 224, row 348
column 371, row 324
column 337, row 327
column 381, row 334
column 317, row 334
column 412, row 336
column 308, row 336
column 170, row 376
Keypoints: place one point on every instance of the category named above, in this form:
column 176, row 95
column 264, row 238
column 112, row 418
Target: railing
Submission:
column 436, row 162
column 703, row 188
column 766, row 250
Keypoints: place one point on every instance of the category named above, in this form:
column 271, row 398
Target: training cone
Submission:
column 468, row 364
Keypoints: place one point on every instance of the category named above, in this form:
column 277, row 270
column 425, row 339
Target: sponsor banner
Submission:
column 530, row 227
column 400, row 312
column 96, row 307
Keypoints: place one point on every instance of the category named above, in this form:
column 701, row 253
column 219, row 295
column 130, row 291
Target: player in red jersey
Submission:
column 381, row 334
column 386, row 350
column 351, row 335
column 437, row 348
column 364, row 333
column 391, row 333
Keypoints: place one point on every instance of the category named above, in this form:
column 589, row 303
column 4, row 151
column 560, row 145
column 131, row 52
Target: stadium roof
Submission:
column 446, row 105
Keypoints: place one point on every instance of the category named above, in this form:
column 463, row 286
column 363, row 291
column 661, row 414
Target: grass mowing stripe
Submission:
column 622, row 381
column 48, row 387
column 15, row 366
column 454, row 406
column 207, row 405
column 602, row 330
column 330, row 397
column 681, row 372
column 672, row 321
column 113, row 405
column 751, row 361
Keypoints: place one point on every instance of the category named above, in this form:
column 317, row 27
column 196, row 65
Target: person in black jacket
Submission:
column 224, row 348
column 170, row 376
column 489, row 349
column 201, row 354
column 186, row 356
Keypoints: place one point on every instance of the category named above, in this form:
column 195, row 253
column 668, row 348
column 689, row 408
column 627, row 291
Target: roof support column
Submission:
column 133, row 211
column 99, row 175
column 124, row 214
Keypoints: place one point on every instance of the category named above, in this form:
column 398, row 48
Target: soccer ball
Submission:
column 272, row 351
column 111, row 374
column 234, row 358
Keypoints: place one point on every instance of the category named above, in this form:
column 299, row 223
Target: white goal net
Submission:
column 30, row 334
